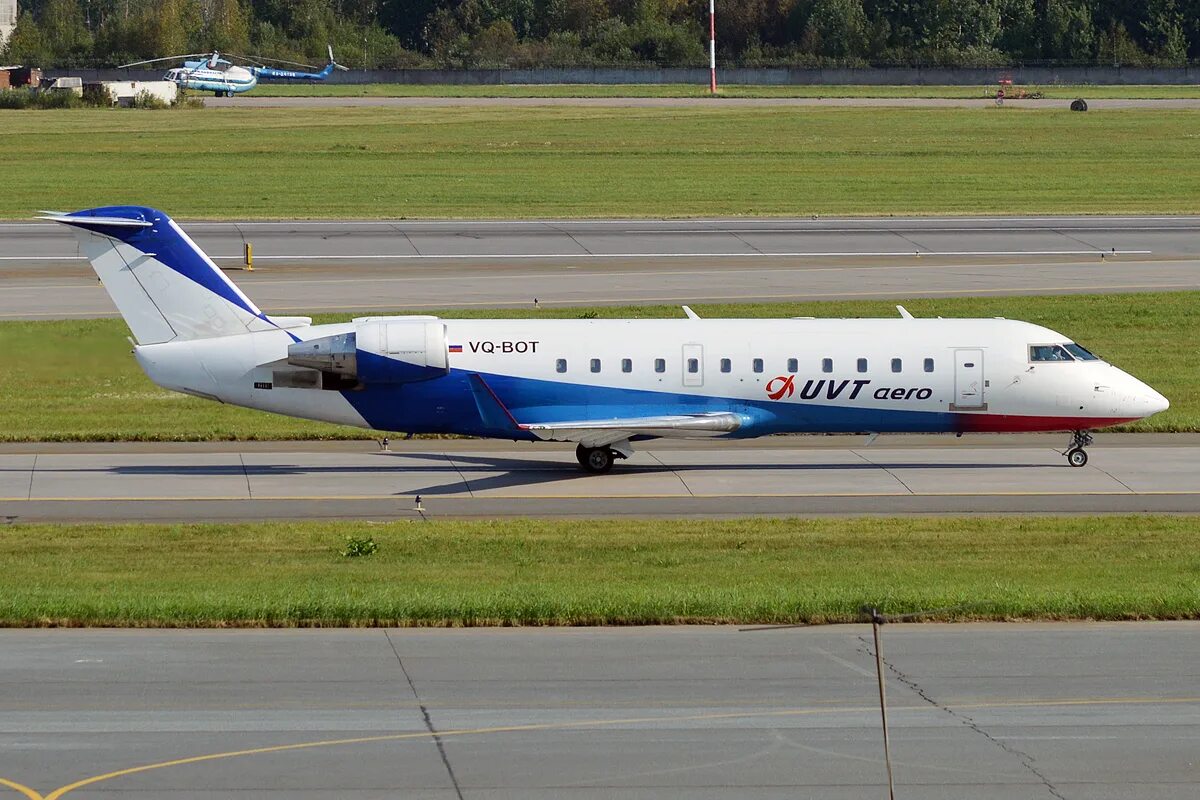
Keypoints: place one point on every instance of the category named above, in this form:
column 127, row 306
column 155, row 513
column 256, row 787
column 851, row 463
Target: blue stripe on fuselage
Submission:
column 448, row 405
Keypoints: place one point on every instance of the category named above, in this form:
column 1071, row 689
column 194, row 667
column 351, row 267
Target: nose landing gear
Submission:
column 1076, row 455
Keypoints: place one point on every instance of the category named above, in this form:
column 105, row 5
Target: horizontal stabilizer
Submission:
column 94, row 222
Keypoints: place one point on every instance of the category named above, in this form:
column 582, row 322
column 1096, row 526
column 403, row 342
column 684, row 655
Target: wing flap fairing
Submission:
column 599, row 433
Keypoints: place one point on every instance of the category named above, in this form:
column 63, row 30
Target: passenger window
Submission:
column 726, row 365
column 626, row 365
column 660, row 365
column 758, row 365
column 793, row 365
column 862, row 365
column 1080, row 353
column 560, row 365
column 896, row 365
column 693, row 365
column 1048, row 352
column 826, row 365
column 929, row 365
column 595, row 365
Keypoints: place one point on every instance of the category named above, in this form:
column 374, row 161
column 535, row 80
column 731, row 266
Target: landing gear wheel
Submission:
column 595, row 460
column 1076, row 456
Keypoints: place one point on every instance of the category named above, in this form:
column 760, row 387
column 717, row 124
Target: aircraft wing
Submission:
column 598, row 433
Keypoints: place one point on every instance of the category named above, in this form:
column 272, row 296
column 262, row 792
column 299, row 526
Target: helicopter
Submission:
column 212, row 72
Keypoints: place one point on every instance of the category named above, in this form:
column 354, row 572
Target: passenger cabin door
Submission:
column 968, row 381
column 693, row 365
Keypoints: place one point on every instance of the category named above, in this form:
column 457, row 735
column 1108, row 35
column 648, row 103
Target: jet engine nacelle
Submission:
column 379, row 351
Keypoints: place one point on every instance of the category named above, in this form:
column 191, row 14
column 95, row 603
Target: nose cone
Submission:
column 1156, row 401
column 1143, row 401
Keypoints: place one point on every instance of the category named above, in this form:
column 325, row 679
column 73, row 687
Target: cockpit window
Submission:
column 1081, row 353
column 1048, row 352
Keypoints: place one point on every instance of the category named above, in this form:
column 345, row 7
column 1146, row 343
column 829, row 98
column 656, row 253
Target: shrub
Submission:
column 57, row 98
column 145, row 99
column 359, row 547
column 15, row 98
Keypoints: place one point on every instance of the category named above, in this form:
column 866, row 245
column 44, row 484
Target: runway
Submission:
column 374, row 265
column 467, row 478
column 1097, row 711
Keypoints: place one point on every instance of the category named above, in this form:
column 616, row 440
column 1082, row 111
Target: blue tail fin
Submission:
column 165, row 287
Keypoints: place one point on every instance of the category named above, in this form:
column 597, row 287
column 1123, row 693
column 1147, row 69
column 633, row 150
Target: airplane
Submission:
column 602, row 384
column 225, row 79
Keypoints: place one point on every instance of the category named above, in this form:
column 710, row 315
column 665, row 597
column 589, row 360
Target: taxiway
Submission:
column 1097, row 711
column 371, row 266
column 467, row 478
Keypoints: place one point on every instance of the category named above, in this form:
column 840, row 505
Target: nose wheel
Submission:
column 1076, row 455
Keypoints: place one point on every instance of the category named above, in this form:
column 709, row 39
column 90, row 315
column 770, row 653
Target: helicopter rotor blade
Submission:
column 164, row 58
column 334, row 63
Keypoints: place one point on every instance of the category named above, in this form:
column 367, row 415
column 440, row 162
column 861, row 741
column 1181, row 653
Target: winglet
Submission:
column 904, row 312
column 690, row 314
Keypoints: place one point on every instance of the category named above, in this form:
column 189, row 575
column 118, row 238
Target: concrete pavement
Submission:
column 778, row 476
column 369, row 266
column 1074, row 711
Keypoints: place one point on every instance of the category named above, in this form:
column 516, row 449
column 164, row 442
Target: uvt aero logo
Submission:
column 781, row 387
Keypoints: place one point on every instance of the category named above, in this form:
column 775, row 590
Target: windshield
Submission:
column 1080, row 353
column 1048, row 352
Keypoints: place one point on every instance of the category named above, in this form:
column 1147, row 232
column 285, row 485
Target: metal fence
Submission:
column 767, row 76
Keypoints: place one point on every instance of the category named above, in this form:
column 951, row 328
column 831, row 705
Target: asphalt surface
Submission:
column 1095, row 711
column 259, row 101
column 370, row 266
column 465, row 478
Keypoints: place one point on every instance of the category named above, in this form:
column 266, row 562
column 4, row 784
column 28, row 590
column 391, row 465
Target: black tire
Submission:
column 1079, row 105
column 1077, row 457
column 595, row 460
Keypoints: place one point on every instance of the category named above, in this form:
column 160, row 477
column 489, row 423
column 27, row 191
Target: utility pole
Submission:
column 712, row 47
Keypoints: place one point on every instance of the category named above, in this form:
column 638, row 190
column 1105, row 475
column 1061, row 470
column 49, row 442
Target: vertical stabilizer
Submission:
column 165, row 287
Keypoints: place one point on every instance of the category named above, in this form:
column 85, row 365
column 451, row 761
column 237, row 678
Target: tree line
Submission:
column 391, row 34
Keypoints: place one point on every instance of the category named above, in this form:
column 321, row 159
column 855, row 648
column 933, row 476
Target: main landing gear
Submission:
column 597, row 460
column 1076, row 455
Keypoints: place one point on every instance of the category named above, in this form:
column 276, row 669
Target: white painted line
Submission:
column 897, row 230
column 747, row 274
column 575, row 255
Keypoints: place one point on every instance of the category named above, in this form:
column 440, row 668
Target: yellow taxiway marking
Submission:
column 21, row 789
column 554, row 726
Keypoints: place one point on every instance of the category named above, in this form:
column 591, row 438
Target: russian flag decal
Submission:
column 456, row 348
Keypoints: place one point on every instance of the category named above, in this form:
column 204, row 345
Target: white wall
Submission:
column 8, row 18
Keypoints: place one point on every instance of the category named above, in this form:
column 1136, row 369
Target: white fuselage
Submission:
column 783, row 375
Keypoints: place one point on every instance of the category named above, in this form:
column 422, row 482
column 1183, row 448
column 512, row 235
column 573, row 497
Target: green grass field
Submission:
column 604, row 572
column 1052, row 91
column 78, row 381
column 580, row 162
